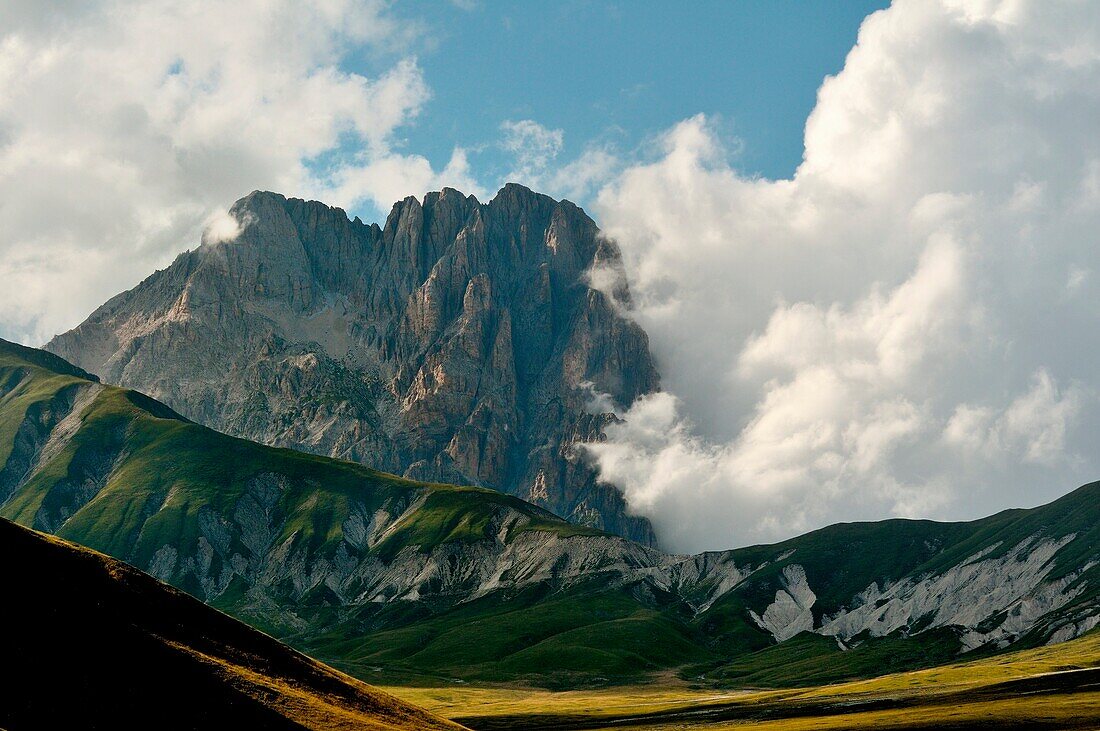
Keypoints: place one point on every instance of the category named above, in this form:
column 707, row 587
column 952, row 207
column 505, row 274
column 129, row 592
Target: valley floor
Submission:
column 1055, row 687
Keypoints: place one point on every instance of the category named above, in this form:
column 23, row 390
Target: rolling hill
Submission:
column 92, row 643
column 389, row 579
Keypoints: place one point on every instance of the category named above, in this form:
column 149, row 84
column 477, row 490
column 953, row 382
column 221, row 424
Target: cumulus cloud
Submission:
column 221, row 226
column 125, row 126
column 904, row 327
column 535, row 150
column 533, row 146
column 394, row 176
column 1032, row 429
column 584, row 175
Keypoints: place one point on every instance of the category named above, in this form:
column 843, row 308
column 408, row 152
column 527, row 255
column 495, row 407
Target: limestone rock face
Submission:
column 458, row 343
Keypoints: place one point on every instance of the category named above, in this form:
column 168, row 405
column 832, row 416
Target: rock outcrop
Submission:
column 459, row 343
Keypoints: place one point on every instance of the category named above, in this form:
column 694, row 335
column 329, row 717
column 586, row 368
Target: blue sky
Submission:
column 614, row 74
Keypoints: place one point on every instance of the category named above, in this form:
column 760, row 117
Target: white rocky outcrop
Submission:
column 791, row 612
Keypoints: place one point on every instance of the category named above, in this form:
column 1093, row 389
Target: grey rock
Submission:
column 458, row 343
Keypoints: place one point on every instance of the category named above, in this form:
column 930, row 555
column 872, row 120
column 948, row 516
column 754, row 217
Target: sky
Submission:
column 130, row 126
column 862, row 239
column 615, row 74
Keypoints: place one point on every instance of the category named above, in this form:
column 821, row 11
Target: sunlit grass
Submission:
column 930, row 690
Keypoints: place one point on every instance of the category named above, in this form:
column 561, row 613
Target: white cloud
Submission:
column 221, row 226
column 533, row 146
column 535, row 150
column 124, row 126
column 393, row 176
column 1032, row 429
column 889, row 332
column 583, row 176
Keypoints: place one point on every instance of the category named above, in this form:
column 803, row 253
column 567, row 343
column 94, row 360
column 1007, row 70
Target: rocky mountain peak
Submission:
column 456, row 343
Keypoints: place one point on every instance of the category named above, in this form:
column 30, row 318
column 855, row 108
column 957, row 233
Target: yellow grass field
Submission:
column 1055, row 687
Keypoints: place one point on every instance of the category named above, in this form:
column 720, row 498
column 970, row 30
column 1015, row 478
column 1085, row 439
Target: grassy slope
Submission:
column 98, row 644
column 164, row 460
column 807, row 659
column 561, row 641
column 583, row 636
column 1049, row 687
column 842, row 560
column 181, row 468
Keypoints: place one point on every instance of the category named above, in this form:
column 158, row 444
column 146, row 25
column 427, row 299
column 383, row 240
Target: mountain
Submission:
column 92, row 643
column 460, row 343
column 385, row 577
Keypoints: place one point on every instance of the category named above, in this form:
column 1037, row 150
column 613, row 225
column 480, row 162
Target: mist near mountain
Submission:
column 909, row 325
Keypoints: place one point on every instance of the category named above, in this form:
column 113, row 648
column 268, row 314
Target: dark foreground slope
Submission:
column 388, row 578
column 92, row 643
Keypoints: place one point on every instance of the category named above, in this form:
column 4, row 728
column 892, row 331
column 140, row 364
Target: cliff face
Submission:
column 460, row 343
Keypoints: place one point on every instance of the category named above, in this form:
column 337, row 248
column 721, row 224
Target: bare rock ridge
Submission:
column 460, row 343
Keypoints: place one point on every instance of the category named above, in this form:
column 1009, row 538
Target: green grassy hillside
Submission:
column 93, row 643
column 587, row 634
column 131, row 477
column 134, row 475
column 591, row 636
column 391, row 579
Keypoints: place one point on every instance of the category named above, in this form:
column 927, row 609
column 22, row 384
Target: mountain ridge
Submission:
column 461, row 342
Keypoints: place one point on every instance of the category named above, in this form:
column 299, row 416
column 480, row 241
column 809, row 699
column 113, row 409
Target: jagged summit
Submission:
column 458, row 342
column 510, row 194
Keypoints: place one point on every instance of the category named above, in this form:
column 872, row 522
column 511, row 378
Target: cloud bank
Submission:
column 906, row 327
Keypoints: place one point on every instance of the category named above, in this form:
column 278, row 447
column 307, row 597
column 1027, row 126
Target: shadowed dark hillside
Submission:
column 93, row 643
